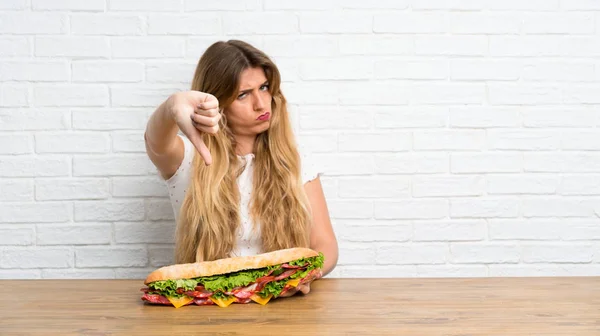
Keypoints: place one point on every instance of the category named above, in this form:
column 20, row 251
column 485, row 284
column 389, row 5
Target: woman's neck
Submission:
column 244, row 144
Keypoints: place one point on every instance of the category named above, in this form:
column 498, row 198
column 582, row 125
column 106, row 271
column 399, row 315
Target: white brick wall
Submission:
column 458, row 137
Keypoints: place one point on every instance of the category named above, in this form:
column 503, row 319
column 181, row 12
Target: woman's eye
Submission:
column 264, row 87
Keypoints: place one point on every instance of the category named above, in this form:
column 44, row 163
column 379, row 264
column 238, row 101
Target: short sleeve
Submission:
column 178, row 183
column 310, row 168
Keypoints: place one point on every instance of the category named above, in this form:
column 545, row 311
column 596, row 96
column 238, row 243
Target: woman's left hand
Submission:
column 304, row 289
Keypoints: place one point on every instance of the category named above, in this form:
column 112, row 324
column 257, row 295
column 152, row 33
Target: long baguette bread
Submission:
column 228, row 265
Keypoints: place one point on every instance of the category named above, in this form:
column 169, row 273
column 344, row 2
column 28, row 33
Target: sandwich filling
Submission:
column 258, row 285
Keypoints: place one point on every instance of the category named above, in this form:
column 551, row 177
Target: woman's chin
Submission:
column 263, row 127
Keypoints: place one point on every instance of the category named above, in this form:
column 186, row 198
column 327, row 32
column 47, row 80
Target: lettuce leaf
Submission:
column 312, row 260
column 169, row 287
column 273, row 287
column 230, row 281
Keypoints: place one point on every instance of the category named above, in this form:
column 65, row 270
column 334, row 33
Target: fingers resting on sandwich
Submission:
column 303, row 288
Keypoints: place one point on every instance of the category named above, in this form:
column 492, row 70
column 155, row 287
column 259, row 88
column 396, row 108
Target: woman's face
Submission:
column 250, row 113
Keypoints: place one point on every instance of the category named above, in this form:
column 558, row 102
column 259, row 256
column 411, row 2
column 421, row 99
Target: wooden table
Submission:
column 479, row 306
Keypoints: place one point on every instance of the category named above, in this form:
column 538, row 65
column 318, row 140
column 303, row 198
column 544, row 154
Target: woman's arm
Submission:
column 192, row 112
column 163, row 146
column 322, row 237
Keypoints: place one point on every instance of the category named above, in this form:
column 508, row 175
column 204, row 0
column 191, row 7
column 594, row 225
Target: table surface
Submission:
column 414, row 306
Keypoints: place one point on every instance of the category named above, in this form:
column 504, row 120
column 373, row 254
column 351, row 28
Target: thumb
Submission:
column 196, row 139
column 305, row 289
column 210, row 98
column 197, row 97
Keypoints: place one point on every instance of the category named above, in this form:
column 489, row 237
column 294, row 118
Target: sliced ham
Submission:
column 290, row 266
column 203, row 301
column 285, row 274
column 155, row 298
column 243, row 295
column 198, row 294
column 312, row 275
column 245, row 292
column 261, row 282
column 265, row 279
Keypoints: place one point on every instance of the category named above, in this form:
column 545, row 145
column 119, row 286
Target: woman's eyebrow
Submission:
column 248, row 90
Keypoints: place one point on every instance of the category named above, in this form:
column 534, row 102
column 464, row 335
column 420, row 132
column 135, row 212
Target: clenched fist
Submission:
column 195, row 112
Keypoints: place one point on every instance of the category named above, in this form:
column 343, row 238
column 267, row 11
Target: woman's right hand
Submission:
column 195, row 112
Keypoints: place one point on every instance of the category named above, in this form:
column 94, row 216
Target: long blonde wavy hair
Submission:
column 210, row 214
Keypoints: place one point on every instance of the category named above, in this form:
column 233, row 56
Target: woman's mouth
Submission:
column 264, row 116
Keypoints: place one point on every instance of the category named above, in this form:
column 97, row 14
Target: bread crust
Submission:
column 229, row 265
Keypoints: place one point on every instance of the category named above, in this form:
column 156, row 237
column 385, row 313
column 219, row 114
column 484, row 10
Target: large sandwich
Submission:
column 222, row 282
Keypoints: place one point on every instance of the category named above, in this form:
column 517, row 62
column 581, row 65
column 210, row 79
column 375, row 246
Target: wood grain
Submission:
column 416, row 306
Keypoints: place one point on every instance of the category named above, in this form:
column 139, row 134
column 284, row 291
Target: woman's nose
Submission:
column 259, row 104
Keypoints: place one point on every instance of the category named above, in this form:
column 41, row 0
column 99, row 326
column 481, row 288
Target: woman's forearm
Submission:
column 161, row 130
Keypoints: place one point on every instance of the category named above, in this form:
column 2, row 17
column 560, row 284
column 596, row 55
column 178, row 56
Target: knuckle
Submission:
column 212, row 129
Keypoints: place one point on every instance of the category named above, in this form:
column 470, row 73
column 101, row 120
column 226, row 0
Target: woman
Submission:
column 247, row 191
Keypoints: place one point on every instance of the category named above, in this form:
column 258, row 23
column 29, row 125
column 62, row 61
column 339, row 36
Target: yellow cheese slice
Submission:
column 293, row 283
column 223, row 303
column 179, row 302
column 258, row 299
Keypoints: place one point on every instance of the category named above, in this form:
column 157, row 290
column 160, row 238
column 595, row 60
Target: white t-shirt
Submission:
column 247, row 243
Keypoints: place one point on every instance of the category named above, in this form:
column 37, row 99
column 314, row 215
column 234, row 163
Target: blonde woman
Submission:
column 236, row 180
